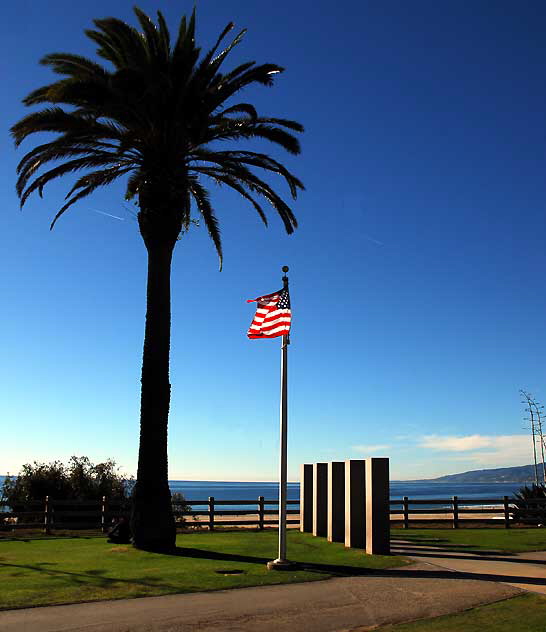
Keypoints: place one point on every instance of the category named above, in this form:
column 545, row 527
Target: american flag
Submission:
column 272, row 317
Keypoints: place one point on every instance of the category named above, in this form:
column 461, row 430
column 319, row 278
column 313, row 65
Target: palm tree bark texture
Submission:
column 158, row 115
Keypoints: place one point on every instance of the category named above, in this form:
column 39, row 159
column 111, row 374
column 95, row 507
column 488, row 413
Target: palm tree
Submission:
column 156, row 114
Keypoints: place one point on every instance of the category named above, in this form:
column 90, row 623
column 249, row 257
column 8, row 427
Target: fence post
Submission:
column 103, row 515
column 406, row 512
column 46, row 516
column 211, row 513
column 261, row 512
column 506, row 513
column 455, row 512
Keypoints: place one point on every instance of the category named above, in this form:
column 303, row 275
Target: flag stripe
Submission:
column 279, row 313
column 275, row 322
column 273, row 316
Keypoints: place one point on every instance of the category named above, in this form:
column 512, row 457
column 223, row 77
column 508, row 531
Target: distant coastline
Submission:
column 516, row 474
column 197, row 493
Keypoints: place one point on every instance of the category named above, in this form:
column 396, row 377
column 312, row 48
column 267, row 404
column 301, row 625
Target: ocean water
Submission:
column 201, row 490
column 415, row 490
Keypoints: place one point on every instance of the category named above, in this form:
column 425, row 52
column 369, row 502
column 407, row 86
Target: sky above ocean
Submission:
column 416, row 276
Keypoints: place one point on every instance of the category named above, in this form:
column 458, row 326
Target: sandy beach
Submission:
column 252, row 519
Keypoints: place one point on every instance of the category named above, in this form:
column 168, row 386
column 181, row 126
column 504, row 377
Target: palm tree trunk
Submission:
column 152, row 521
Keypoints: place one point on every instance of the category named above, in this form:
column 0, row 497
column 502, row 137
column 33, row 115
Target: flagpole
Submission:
column 281, row 562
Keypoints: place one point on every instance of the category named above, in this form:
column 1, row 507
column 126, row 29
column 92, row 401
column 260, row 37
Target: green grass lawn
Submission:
column 525, row 613
column 53, row 571
column 513, row 540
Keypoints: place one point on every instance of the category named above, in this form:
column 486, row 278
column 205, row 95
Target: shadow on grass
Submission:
column 490, row 556
column 449, row 574
column 418, row 538
column 95, row 576
column 28, row 539
column 337, row 570
column 415, row 546
column 351, row 571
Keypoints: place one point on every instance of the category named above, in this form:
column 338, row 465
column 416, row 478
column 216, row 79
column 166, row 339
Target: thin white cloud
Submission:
column 456, row 444
column 369, row 449
column 486, row 450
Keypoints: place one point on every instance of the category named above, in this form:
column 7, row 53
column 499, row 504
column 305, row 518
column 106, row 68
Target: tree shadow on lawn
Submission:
column 95, row 576
column 440, row 542
column 449, row 574
column 414, row 546
column 434, row 548
column 482, row 556
column 349, row 571
column 332, row 569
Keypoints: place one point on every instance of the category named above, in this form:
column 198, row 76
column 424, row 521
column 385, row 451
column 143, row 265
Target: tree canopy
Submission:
column 79, row 479
column 157, row 113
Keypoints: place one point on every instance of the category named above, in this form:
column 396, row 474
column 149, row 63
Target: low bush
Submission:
column 79, row 480
column 530, row 512
column 180, row 505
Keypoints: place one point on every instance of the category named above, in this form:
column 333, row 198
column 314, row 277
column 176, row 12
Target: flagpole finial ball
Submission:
column 285, row 269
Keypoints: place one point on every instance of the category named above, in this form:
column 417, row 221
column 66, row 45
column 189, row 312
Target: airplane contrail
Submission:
column 374, row 241
column 121, row 219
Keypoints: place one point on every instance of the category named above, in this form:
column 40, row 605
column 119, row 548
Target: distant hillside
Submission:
column 520, row 474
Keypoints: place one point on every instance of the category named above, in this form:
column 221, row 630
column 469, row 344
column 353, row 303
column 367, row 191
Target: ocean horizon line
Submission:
column 257, row 481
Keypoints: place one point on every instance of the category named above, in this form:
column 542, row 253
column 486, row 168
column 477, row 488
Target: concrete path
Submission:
column 521, row 570
column 341, row 604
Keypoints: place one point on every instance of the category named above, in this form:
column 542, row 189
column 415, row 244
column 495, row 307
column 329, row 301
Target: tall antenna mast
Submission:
column 539, row 411
column 531, row 409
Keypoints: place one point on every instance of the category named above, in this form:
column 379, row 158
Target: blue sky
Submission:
column 417, row 273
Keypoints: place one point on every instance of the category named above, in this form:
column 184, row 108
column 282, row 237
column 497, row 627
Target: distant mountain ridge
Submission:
column 519, row 474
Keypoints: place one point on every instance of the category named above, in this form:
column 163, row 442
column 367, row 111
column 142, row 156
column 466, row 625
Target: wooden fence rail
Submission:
column 53, row 514
column 490, row 510
column 66, row 514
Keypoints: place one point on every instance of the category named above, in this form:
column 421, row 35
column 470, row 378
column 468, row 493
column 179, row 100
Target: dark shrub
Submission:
column 79, row 480
column 530, row 512
column 179, row 505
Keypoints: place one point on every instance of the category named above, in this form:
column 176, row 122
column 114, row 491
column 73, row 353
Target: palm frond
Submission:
column 232, row 129
column 263, row 161
column 61, row 148
column 221, row 178
column 164, row 37
column 106, row 49
column 246, row 108
column 262, row 74
column 33, row 165
column 185, row 53
column 98, row 178
column 153, row 39
column 255, row 184
column 83, row 193
column 133, row 184
column 127, row 41
column 56, row 119
column 201, row 197
column 61, row 170
column 75, row 66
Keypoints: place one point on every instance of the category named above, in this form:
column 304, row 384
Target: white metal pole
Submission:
column 283, row 449
column 281, row 561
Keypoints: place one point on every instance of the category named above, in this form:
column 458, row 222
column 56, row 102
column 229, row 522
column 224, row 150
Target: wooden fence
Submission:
column 68, row 514
column 256, row 516
column 53, row 514
column 459, row 510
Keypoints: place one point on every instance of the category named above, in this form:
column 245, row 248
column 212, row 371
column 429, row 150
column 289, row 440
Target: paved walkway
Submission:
column 348, row 603
column 521, row 570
